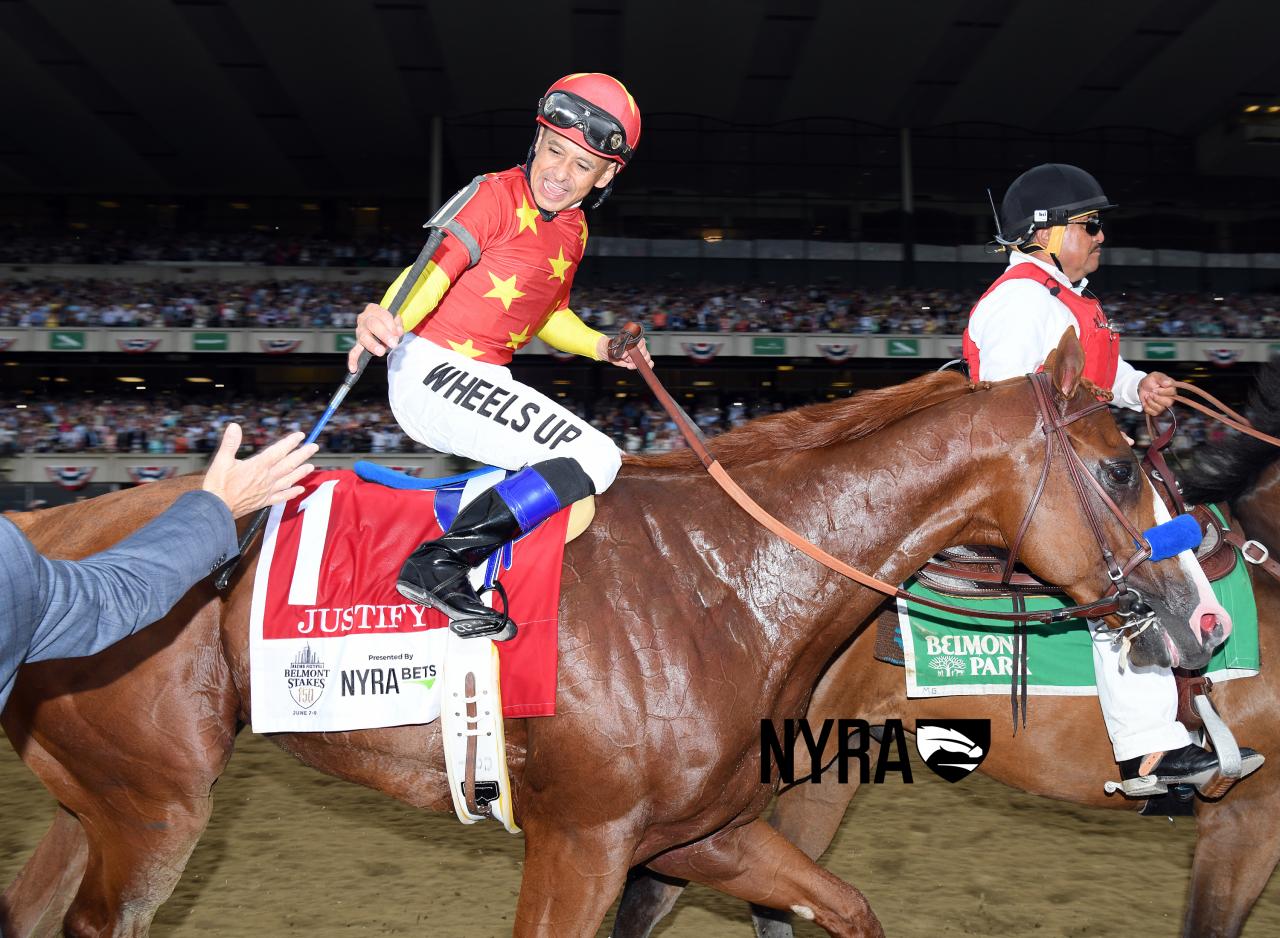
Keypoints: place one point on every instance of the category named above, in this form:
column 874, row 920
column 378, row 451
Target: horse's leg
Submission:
column 136, row 857
column 645, row 902
column 1237, row 848
column 131, row 742
column 34, row 903
column 571, row 877
column 808, row 816
column 758, row 864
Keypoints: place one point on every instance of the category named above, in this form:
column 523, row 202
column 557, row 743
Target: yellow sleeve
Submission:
column 565, row 331
column 422, row 299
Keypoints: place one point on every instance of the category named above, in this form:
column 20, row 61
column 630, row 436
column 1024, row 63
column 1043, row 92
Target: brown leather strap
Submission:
column 1252, row 551
column 1190, row 684
column 1155, row 463
column 1223, row 414
column 473, row 726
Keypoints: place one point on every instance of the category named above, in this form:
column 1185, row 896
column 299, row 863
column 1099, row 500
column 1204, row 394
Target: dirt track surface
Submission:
column 293, row 852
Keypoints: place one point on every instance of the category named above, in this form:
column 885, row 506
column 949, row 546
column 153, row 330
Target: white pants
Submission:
column 1139, row 705
column 458, row 405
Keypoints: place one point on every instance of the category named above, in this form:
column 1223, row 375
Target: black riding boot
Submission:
column 437, row 573
column 1190, row 765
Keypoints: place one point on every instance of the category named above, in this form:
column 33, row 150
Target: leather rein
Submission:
column 1254, row 552
column 1122, row 600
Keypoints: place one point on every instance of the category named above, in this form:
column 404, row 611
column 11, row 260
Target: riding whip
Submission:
column 251, row 533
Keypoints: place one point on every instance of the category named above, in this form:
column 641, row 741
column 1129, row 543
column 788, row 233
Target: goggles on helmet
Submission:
column 601, row 130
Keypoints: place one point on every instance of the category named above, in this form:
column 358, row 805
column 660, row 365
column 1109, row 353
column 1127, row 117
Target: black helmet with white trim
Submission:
column 1046, row 196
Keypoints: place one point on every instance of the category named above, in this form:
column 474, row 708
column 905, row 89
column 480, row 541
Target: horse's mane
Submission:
column 818, row 425
column 1224, row 473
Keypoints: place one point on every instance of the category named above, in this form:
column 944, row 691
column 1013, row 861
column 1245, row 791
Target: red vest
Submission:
column 1101, row 342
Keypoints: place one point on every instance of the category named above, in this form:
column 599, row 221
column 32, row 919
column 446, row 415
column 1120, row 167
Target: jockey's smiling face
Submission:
column 563, row 173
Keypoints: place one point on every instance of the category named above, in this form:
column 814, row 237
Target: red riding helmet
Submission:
column 594, row 110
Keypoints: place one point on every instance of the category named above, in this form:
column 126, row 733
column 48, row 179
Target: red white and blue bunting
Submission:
column 141, row 474
column 838, row 351
column 702, row 351
column 71, row 478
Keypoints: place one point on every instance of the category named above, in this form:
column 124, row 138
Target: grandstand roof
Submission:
column 329, row 95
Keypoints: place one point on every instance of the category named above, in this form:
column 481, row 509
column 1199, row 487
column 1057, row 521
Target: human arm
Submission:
column 378, row 331
column 74, row 608
column 81, row 607
column 1125, row 389
column 474, row 225
column 565, row 331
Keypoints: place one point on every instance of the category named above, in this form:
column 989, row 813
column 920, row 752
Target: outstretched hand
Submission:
column 266, row 478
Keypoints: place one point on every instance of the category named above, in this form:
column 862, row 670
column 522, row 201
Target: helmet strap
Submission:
column 604, row 194
column 528, row 165
column 1055, row 245
column 1056, row 234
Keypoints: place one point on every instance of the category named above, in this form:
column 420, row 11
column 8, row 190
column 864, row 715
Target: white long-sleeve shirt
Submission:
column 1020, row 322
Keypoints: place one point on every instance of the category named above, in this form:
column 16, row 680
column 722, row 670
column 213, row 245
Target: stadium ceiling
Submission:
column 153, row 96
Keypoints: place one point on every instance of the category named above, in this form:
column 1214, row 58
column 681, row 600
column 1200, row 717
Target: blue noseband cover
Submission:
column 1173, row 537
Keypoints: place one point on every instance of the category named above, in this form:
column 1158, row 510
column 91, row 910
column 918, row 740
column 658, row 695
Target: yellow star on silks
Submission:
column 582, row 236
column 558, row 266
column 528, row 216
column 466, row 348
column 518, row 338
column 504, row 290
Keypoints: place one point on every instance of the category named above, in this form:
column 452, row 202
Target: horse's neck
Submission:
column 881, row 505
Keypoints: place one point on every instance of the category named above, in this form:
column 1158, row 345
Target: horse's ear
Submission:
column 1065, row 364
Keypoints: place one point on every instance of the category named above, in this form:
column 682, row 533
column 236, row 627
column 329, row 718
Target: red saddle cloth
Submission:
column 335, row 555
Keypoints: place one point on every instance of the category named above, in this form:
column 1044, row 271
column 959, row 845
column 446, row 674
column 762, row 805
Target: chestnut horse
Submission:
column 681, row 630
column 1238, row 837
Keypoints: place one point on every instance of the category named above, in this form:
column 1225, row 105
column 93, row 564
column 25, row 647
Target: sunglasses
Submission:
column 1092, row 226
column 601, row 130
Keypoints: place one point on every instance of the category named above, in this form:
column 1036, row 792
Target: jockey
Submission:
column 1050, row 224
column 502, row 279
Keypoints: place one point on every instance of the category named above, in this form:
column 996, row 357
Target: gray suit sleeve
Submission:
column 84, row 606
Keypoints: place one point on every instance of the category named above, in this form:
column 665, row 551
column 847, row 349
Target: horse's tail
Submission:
column 1224, row 473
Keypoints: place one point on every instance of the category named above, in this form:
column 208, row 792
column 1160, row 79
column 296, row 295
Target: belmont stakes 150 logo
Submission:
column 306, row 676
column 950, row 748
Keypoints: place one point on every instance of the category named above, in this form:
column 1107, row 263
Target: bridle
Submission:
column 1121, row 600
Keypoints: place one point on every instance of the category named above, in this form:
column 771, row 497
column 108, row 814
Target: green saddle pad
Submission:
column 949, row 655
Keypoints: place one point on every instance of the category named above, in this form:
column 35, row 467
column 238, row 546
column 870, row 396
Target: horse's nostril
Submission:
column 1208, row 622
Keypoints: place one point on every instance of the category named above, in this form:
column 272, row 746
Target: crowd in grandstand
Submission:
column 704, row 307
column 258, row 248
column 165, row 425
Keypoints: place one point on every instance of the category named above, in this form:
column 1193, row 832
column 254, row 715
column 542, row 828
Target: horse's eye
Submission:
column 1121, row 473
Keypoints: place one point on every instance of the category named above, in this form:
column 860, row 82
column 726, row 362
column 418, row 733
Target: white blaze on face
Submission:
column 1208, row 610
